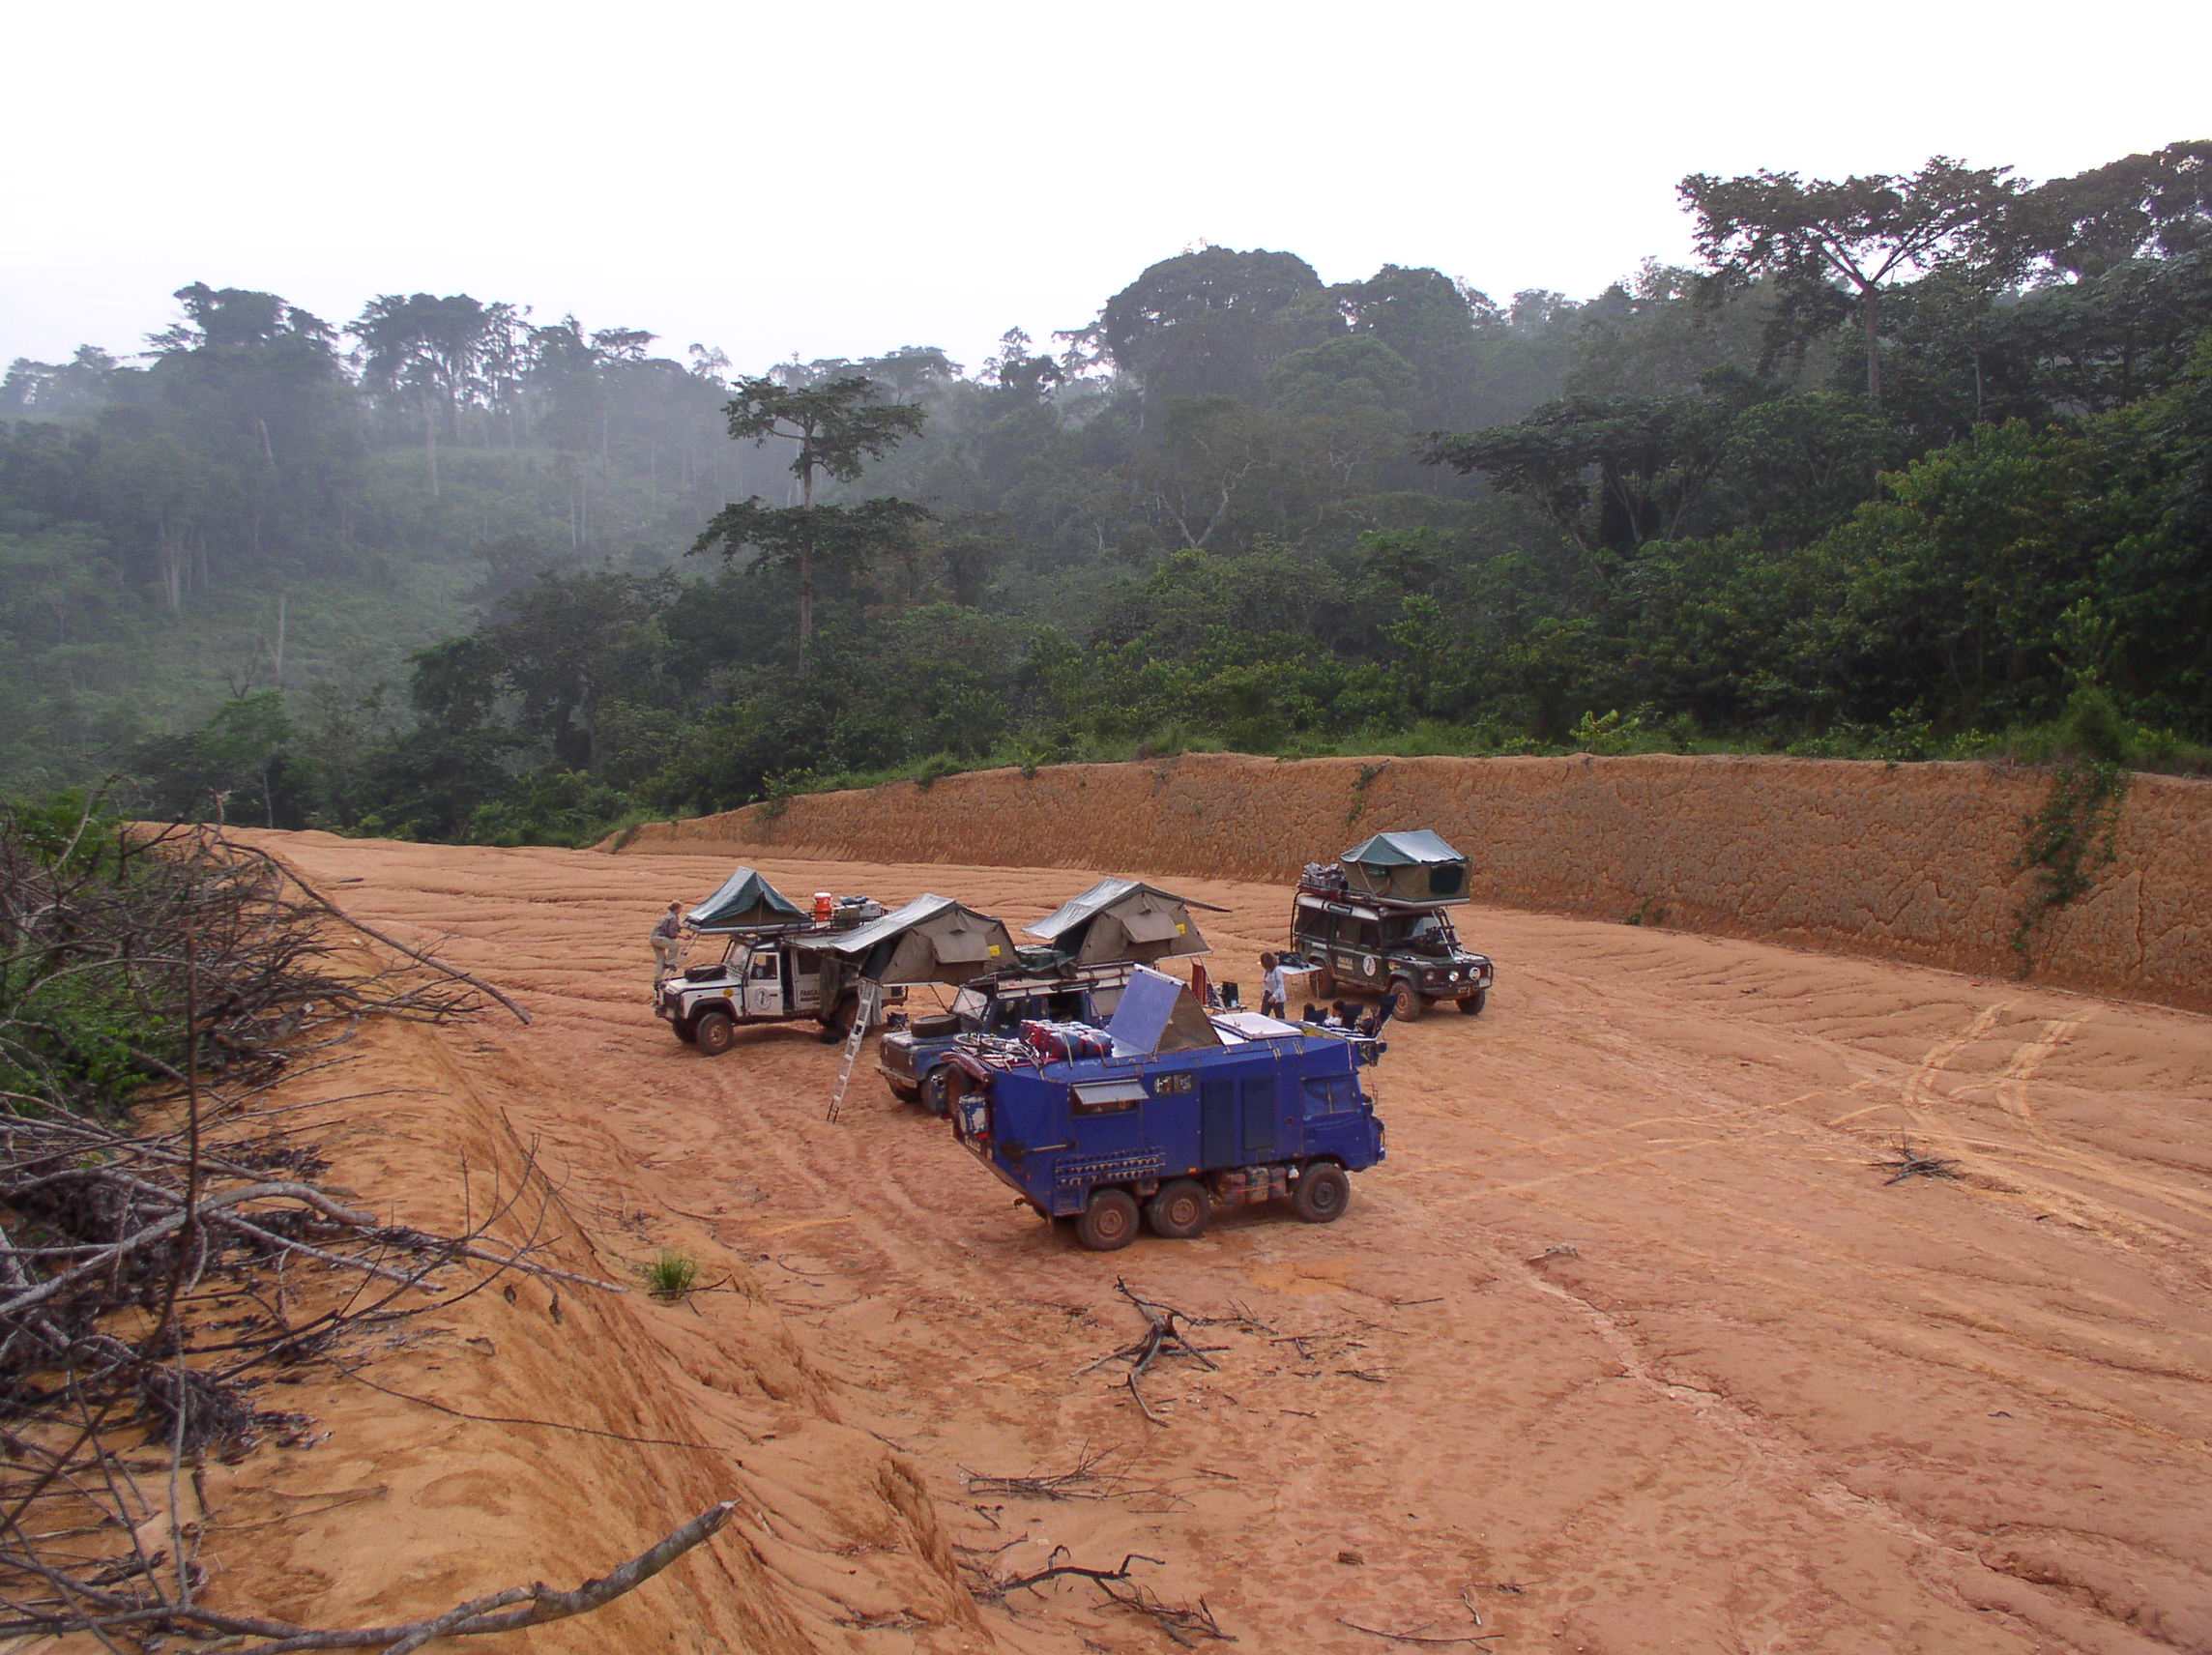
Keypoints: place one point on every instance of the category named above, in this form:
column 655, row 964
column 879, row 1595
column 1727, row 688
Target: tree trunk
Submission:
column 1872, row 321
column 806, row 573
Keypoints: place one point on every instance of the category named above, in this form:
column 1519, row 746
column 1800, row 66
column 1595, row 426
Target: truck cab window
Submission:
column 1329, row 1095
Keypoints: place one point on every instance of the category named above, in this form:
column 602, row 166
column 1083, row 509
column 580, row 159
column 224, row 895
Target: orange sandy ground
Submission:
column 1626, row 1348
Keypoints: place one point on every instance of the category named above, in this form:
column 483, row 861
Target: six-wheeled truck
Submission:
column 779, row 965
column 1244, row 1108
column 1378, row 922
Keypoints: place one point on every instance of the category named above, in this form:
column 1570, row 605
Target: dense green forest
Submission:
column 1906, row 467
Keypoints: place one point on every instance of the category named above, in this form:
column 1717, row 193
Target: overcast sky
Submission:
column 840, row 179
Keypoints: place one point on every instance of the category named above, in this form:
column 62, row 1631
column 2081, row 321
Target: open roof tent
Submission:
column 746, row 902
column 1412, row 866
column 1124, row 920
column 931, row 939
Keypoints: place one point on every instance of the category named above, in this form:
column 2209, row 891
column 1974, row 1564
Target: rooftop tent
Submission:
column 746, row 902
column 1410, row 867
column 931, row 938
column 1124, row 920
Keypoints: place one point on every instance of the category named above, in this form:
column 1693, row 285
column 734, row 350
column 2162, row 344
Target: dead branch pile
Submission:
column 1164, row 1336
column 165, row 1247
column 1906, row 1162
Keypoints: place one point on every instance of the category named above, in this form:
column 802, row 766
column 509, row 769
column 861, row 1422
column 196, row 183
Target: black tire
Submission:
column 1179, row 1210
column 1325, row 985
column 714, row 1033
column 683, row 1031
column 1109, row 1221
column 902, row 1092
column 1472, row 1005
column 1406, row 1002
column 935, row 1093
column 1321, row 1194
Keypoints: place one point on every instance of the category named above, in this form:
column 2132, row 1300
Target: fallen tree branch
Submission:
column 1416, row 1637
column 1184, row 1623
column 390, row 942
column 539, row 1602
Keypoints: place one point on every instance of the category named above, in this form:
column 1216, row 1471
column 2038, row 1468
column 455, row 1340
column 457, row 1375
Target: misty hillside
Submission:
column 1905, row 467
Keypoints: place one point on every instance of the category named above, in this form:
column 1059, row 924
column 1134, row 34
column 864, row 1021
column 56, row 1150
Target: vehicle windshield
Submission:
column 1064, row 1006
column 1430, row 934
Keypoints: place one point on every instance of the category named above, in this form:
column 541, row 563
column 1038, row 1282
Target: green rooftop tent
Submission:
column 1120, row 919
column 1411, row 866
column 746, row 902
column 931, row 939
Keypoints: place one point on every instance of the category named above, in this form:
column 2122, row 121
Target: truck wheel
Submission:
column 1406, row 1002
column 715, row 1033
column 1325, row 985
column 934, row 1095
column 1323, row 1194
column 683, row 1031
column 1472, row 1005
column 1178, row 1212
column 1109, row 1222
column 903, row 1093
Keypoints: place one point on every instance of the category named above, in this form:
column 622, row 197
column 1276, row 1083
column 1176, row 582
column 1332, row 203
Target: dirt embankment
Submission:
column 1917, row 862
column 529, row 1428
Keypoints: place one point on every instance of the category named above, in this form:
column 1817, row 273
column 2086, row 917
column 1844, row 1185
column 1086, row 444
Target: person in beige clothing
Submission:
column 668, row 941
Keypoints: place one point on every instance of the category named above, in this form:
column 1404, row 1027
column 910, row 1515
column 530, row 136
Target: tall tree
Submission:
column 1862, row 231
column 441, row 352
column 834, row 428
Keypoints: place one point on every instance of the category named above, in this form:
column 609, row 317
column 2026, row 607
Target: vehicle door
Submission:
column 1326, row 1117
column 1217, row 1121
column 1261, row 1128
column 1360, row 948
column 764, row 983
column 1172, row 1120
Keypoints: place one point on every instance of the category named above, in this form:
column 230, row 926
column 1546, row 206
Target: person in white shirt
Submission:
column 1270, row 986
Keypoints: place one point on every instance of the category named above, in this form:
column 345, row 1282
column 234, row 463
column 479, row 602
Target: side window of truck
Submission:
column 1105, row 1097
column 764, row 966
column 1331, row 1094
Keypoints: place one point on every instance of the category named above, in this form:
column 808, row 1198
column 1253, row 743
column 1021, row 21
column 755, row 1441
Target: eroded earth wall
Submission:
column 1919, row 863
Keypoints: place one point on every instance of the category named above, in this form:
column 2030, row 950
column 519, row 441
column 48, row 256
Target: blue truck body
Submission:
column 1242, row 1121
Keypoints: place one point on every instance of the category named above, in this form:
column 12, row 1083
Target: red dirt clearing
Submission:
column 1627, row 1347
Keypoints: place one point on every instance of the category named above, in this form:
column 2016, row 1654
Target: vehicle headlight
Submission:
column 1455, row 977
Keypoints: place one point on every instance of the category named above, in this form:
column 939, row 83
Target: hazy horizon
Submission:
column 857, row 179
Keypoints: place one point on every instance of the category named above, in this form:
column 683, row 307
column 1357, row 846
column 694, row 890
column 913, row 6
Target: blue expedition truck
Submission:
column 1267, row 1110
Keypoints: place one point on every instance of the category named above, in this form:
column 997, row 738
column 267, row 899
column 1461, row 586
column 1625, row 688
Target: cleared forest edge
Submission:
column 1916, row 863
column 430, row 1481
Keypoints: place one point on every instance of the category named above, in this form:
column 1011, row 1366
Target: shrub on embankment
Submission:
column 1938, row 864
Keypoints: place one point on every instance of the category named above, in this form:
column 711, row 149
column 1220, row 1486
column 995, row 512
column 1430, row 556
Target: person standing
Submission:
column 668, row 941
column 1270, row 985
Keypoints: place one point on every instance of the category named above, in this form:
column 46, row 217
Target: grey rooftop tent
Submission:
column 931, row 938
column 1411, row 866
column 746, row 902
column 1123, row 919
